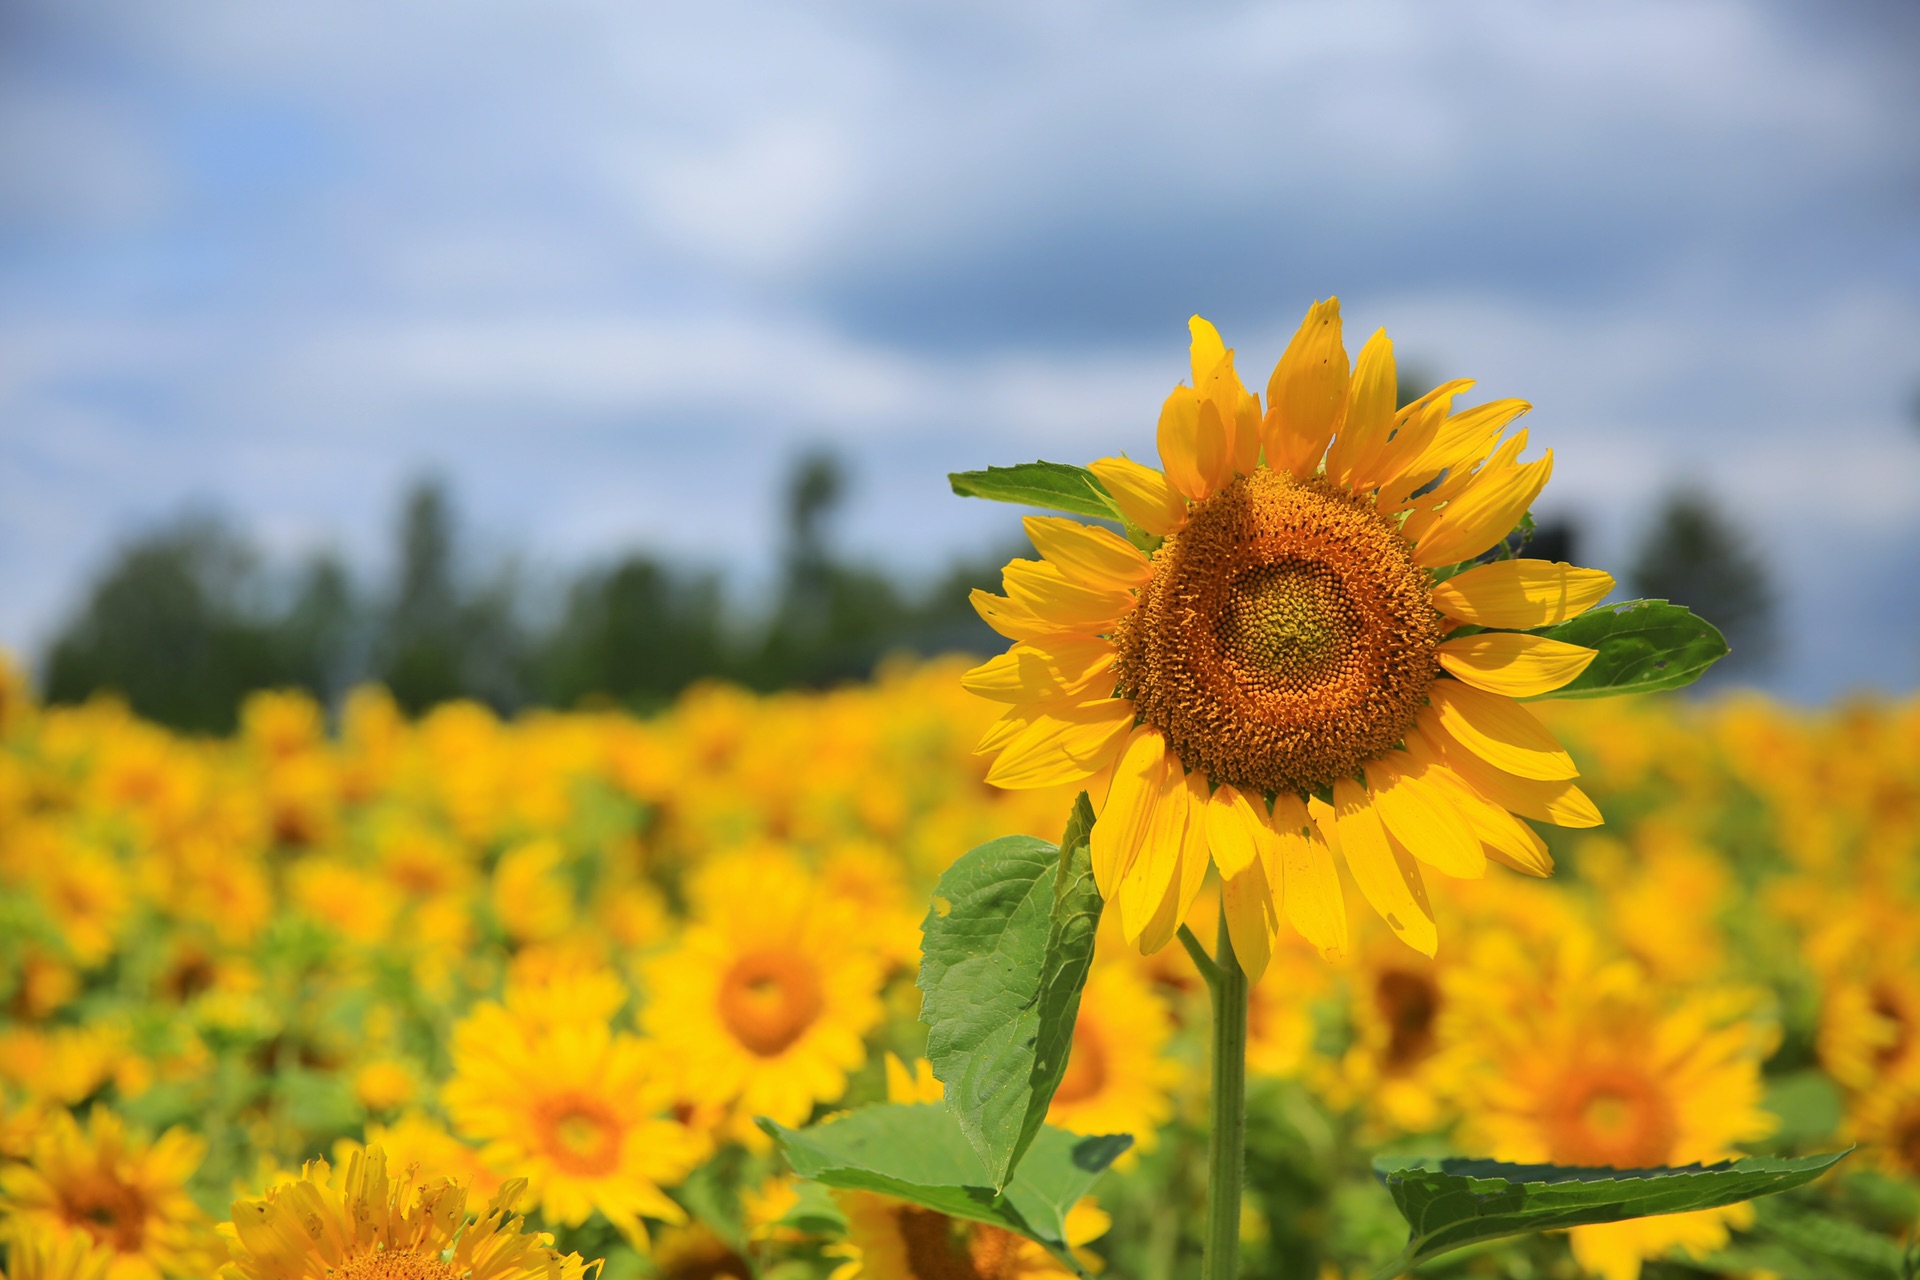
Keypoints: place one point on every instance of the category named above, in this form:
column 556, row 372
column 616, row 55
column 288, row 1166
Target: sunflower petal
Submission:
column 1505, row 838
column 1239, row 411
column 1307, row 392
column 1146, row 887
column 1483, row 515
column 1308, row 886
column 1424, row 820
column 1206, row 349
column 1414, row 428
column 1047, row 593
column 1369, row 420
column 1096, row 558
column 1142, row 494
column 1233, row 828
column 1039, row 671
column 1070, row 744
column 1498, row 730
column 1388, row 879
column 1512, row 663
column 1128, row 813
column 1193, row 443
column 1557, row 801
column 1521, row 594
column 1252, row 921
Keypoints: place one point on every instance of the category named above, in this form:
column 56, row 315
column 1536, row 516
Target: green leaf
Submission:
column 1056, row 486
column 916, row 1152
column 1450, row 1204
column 1645, row 646
column 1006, row 951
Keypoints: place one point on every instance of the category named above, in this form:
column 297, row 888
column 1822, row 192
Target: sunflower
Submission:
column 1299, row 656
column 890, row 1239
column 765, row 1002
column 1118, row 1078
column 372, row 1227
column 127, row 1193
column 574, row 1108
column 1579, row 1060
column 48, row 1253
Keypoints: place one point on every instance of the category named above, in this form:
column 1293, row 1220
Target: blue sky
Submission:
column 608, row 266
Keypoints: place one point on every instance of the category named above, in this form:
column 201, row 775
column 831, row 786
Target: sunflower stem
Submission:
column 1201, row 960
column 1226, row 1161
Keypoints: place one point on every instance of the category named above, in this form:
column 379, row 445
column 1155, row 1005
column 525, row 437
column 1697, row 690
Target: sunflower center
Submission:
column 1086, row 1072
column 582, row 1135
column 1285, row 637
column 768, row 999
column 403, row 1265
column 943, row 1248
column 1407, row 1003
column 1612, row 1116
column 111, row 1212
column 1888, row 1005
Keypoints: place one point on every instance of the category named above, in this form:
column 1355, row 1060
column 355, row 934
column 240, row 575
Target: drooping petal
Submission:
column 1087, row 554
column 1520, row 594
column 1414, row 428
column 1147, row 885
column 1483, row 515
column 1498, row 730
column 1142, row 494
column 1387, row 876
column 1423, row 820
column 1128, row 813
column 1188, row 877
column 1370, row 407
column 1233, row 829
column 1067, row 744
column 1037, row 671
column 1505, row 838
column 1514, row 664
column 1555, row 800
column 1252, row 921
column 1307, row 392
column 1308, row 885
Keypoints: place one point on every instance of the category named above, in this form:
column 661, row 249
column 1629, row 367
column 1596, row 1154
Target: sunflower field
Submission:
column 569, row 961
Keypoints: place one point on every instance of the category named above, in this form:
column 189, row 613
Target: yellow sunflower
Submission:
column 125, row 1192
column 49, row 1253
column 1305, row 661
column 575, row 1109
column 890, row 1239
column 1581, row 1061
column 767, row 999
column 1118, row 1078
column 372, row 1227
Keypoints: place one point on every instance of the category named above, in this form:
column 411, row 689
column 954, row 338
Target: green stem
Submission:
column 1201, row 960
column 1226, row 1162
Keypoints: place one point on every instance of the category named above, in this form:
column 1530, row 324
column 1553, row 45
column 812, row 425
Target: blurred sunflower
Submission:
column 1119, row 1078
column 765, row 1002
column 48, row 1253
column 1580, row 1061
column 574, row 1108
column 127, row 1193
column 890, row 1239
column 370, row 1227
column 1274, row 682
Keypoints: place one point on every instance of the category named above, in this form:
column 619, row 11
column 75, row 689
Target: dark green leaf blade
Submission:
column 1007, row 948
column 1055, row 486
column 1450, row 1204
column 916, row 1152
column 1645, row 646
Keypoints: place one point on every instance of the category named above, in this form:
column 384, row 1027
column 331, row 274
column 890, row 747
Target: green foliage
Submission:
column 1007, row 948
column 1053, row 486
column 1645, row 646
column 917, row 1153
column 1450, row 1204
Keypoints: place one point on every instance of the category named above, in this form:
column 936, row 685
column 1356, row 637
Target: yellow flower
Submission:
column 127, row 1193
column 766, row 1000
column 385, row 1084
column 694, row 1252
column 890, row 1239
column 418, row 1140
column 371, row 1227
column 917, row 1085
column 1118, row 1078
column 1275, row 683
column 574, row 1108
column 1580, row 1061
column 49, row 1253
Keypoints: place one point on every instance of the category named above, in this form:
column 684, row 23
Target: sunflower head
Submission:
column 1308, row 647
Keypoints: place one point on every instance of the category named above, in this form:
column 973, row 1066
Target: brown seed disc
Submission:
column 1285, row 638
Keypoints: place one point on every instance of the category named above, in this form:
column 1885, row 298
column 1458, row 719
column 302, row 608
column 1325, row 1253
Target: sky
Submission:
column 608, row 268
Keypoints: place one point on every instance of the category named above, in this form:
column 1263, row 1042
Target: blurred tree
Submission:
column 1693, row 555
column 171, row 626
column 635, row 633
